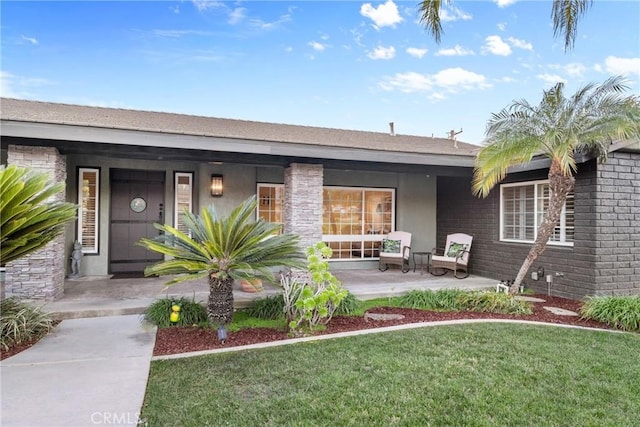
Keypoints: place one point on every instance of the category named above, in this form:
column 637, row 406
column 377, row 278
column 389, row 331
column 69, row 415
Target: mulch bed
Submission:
column 175, row 340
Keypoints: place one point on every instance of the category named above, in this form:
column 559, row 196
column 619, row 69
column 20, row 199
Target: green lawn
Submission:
column 459, row 375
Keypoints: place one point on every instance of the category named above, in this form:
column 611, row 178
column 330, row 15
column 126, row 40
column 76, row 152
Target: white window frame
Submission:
column 177, row 212
column 259, row 201
column 536, row 218
column 364, row 237
column 95, row 249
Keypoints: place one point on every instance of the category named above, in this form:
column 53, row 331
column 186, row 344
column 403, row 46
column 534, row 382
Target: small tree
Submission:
column 223, row 249
column 558, row 128
column 28, row 219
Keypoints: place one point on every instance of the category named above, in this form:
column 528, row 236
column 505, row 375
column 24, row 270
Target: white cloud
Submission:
column 382, row 52
column 496, row 46
column 317, row 46
column 174, row 34
column 504, row 3
column 520, row 44
column 416, row 52
column 31, row 40
column 450, row 14
column 260, row 24
column 450, row 80
column 615, row 65
column 12, row 86
column 202, row 5
column 551, row 79
column 237, row 15
column 502, row 26
column 574, row 69
column 385, row 15
column 457, row 50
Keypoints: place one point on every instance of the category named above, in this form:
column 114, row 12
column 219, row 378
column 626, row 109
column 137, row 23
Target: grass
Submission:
column 471, row 375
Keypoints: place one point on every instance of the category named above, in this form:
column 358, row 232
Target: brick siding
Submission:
column 605, row 258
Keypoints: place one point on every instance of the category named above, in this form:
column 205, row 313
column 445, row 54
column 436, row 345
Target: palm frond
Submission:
column 429, row 13
column 565, row 15
column 558, row 128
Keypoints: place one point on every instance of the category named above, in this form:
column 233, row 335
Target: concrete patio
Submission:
column 103, row 296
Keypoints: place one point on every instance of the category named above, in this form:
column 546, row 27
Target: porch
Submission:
column 102, row 296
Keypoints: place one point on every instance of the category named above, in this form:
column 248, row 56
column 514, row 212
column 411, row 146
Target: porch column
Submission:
column 303, row 202
column 40, row 275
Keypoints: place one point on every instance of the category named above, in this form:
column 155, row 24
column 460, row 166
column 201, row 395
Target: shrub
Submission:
column 20, row 322
column 271, row 308
column 440, row 300
column 493, row 302
column 191, row 312
column 349, row 306
column 311, row 297
column 622, row 312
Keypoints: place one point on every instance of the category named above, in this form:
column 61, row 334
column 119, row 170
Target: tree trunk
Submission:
column 220, row 305
column 560, row 186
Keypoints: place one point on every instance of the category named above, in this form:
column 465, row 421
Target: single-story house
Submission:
column 128, row 169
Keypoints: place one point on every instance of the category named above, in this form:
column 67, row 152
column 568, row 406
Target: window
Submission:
column 183, row 199
column 522, row 208
column 271, row 203
column 355, row 220
column 88, row 201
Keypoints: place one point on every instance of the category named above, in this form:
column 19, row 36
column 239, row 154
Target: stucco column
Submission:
column 39, row 275
column 303, row 202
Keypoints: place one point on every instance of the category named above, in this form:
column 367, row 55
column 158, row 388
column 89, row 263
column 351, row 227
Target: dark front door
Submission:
column 137, row 201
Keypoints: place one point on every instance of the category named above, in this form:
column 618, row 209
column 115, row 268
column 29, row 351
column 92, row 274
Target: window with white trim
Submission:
column 271, row 203
column 88, row 209
column 355, row 220
column 522, row 209
column 183, row 199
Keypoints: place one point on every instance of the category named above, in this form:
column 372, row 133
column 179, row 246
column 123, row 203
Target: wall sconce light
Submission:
column 216, row 185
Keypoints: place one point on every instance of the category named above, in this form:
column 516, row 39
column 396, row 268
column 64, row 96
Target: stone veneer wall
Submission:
column 617, row 225
column 39, row 275
column 303, row 202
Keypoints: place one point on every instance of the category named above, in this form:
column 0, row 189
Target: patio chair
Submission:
column 455, row 256
column 395, row 249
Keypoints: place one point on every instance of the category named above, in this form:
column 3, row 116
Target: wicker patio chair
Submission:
column 395, row 249
column 455, row 256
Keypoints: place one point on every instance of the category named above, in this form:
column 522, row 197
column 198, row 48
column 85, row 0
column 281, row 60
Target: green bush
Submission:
column 20, row 322
column 622, row 312
column 493, row 302
column 349, row 306
column 191, row 312
column 440, row 300
column 270, row 308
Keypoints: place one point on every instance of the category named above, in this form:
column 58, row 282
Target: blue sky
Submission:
column 342, row 64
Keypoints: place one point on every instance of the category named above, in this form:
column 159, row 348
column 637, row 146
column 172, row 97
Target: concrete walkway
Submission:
column 90, row 371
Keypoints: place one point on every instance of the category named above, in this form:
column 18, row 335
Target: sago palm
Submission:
column 558, row 128
column 29, row 219
column 223, row 249
column 565, row 15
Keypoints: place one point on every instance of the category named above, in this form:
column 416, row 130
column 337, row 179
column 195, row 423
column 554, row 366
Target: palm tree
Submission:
column 564, row 13
column 223, row 249
column 558, row 128
column 29, row 219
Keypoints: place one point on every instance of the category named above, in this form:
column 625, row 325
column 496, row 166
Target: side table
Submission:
column 422, row 256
